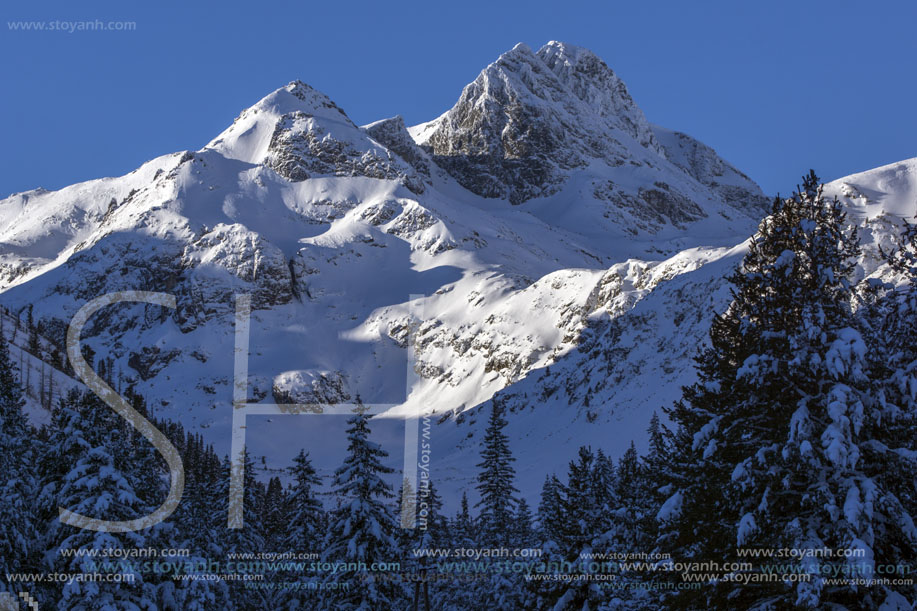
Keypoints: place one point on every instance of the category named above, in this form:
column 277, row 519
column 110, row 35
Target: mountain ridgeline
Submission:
column 541, row 249
column 543, row 175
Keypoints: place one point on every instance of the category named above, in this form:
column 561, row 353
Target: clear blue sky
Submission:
column 776, row 87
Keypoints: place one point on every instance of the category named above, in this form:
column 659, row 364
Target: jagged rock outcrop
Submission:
column 703, row 164
column 559, row 125
column 300, row 133
column 393, row 134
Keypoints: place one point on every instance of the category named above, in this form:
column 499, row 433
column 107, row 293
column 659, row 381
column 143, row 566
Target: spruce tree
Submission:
column 658, row 475
column 87, row 446
column 889, row 456
column 632, row 495
column 551, row 512
column 522, row 531
column 272, row 513
column 196, row 529
column 768, row 441
column 603, row 482
column 589, row 510
column 463, row 531
column 250, row 537
column 655, row 463
column 305, row 517
column 495, row 481
column 362, row 527
column 431, row 523
column 498, row 505
column 582, row 512
column 17, row 518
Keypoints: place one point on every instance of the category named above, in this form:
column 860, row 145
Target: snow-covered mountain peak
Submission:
column 299, row 132
column 558, row 131
column 593, row 82
column 298, row 96
column 248, row 138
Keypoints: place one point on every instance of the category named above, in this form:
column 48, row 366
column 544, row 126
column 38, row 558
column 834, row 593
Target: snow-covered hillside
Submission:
column 637, row 349
column 561, row 249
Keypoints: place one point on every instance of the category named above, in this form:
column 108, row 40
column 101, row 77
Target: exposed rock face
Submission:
column 703, row 164
column 593, row 82
column 510, row 135
column 529, row 118
column 243, row 255
column 663, row 202
column 310, row 388
column 393, row 134
column 301, row 148
column 534, row 125
column 300, row 133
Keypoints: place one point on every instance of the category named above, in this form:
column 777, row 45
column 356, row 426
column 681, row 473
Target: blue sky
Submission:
column 776, row 87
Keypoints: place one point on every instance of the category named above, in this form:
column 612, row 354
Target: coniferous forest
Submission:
column 796, row 439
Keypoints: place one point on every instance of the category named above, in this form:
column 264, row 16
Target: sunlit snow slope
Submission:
column 553, row 244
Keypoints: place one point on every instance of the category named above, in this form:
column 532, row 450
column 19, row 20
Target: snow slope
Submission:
column 540, row 223
column 637, row 349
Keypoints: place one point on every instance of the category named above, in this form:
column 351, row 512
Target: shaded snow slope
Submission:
column 636, row 350
column 541, row 223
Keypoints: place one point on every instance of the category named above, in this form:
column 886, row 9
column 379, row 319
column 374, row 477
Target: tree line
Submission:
column 797, row 435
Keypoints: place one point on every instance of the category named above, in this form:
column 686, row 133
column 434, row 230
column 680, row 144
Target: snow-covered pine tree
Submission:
column 657, row 474
column 631, row 491
column 581, row 511
column 305, row 518
column 768, row 440
column 432, row 532
column 551, row 532
column 431, row 523
column 495, row 481
column 250, row 538
column 95, row 485
column 463, row 528
column 576, row 519
column 461, row 533
column 63, row 443
column 420, row 525
column 889, row 454
column 195, row 528
column 407, row 533
column 603, row 481
column 148, row 470
column 362, row 528
column 523, row 533
column 551, row 511
column 655, row 462
column 19, row 489
column 272, row 513
column 498, row 506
